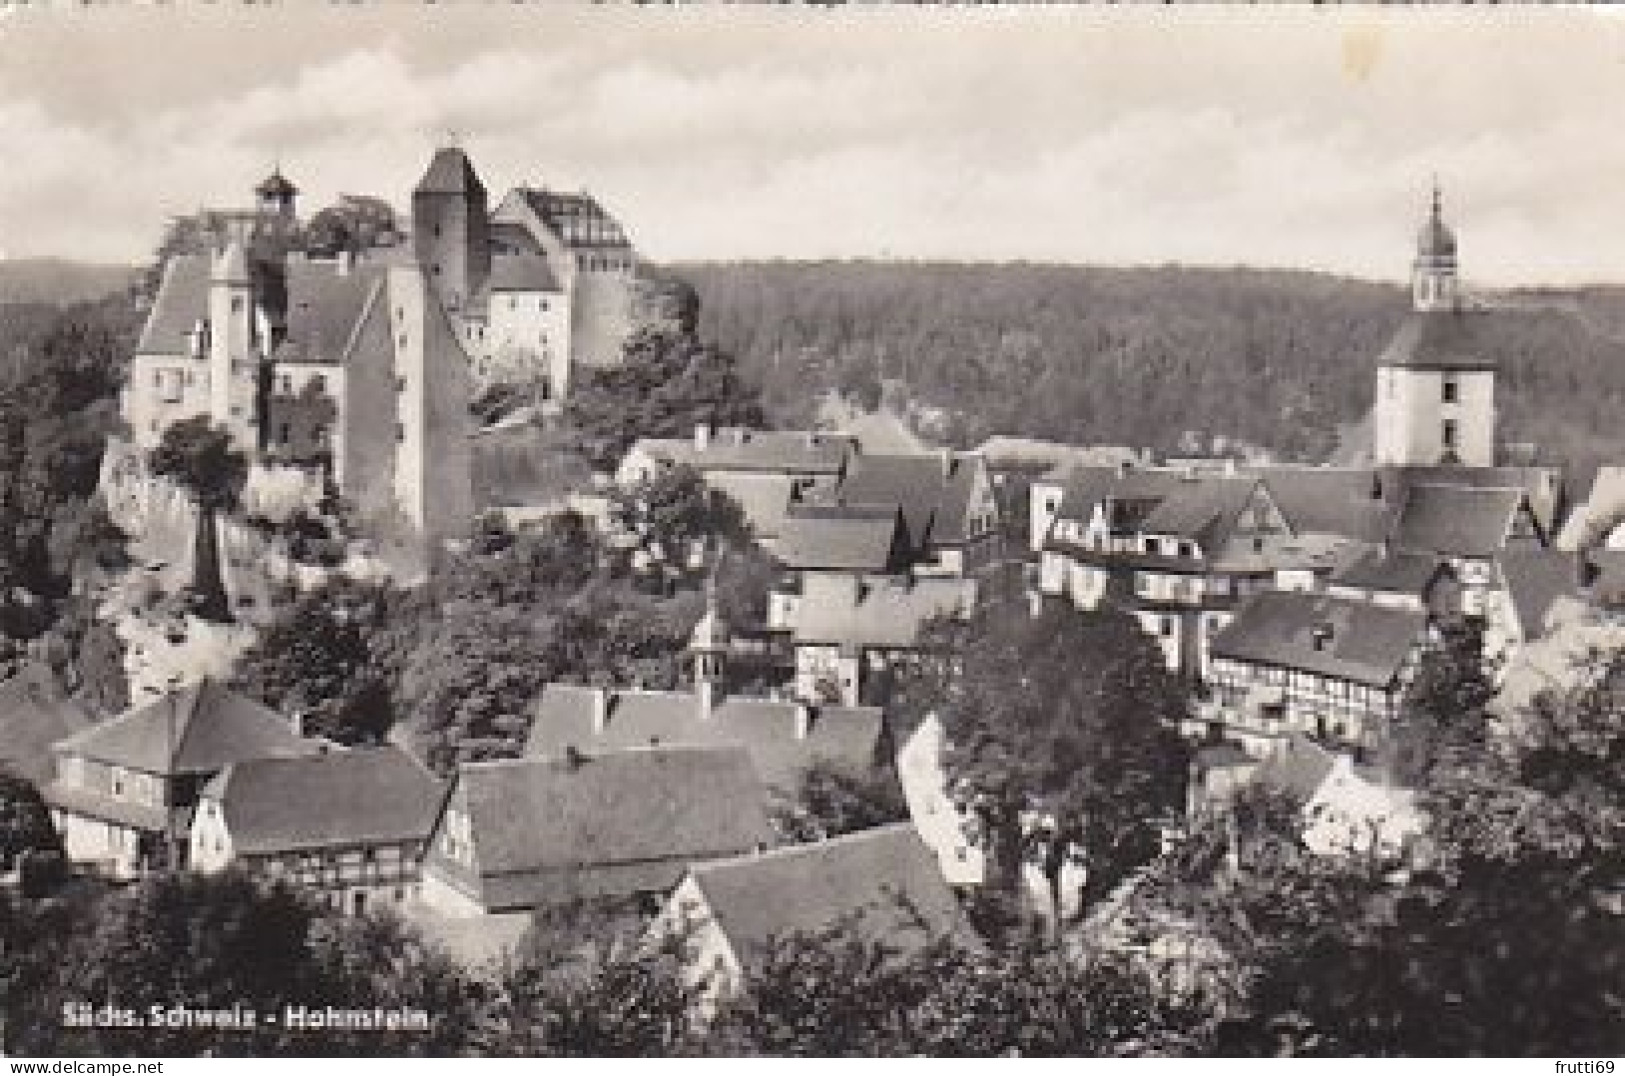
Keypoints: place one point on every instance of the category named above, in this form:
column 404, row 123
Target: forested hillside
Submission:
column 60, row 282
column 1140, row 356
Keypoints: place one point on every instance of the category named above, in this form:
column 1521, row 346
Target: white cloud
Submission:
column 1085, row 136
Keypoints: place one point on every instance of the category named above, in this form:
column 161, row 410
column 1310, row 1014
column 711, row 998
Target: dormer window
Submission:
column 1321, row 637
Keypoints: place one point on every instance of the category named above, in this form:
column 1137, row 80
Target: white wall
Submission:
column 1410, row 412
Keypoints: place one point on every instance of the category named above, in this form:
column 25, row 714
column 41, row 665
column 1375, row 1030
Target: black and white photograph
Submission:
column 711, row 531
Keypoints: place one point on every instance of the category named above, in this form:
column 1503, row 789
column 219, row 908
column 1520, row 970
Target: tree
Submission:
column 830, row 800
column 631, row 1003
column 25, row 821
column 668, row 384
column 1063, row 742
column 1444, row 715
column 317, row 659
column 674, row 512
column 201, row 460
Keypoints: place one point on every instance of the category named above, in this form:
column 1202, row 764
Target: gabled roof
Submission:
column 615, row 824
column 1204, row 507
column 883, row 883
column 858, row 538
column 1456, row 520
column 182, row 302
column 766, row 728
column 450, row 172
column 202, row 728
column 1543, row 486
column 521, row 272
column 1441, row 340
column 577, row 219
column 34, row 714
column 881, row 613
column 1535, row 579
column 365, row 796
column 784, row 451
column 326, row 306
column 1328, row 500
column 1368, row 644
column 1392, row 573
column 932, row 489
column 1050, row 460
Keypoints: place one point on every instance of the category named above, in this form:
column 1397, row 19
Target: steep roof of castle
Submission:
column 450, row 172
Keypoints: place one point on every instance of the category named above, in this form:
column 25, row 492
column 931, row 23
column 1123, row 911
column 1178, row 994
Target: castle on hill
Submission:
column 361, row 365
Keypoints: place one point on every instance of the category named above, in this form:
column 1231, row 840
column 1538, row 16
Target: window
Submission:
column 1447, row 433
column 236, row 304
column 1167, row 627
column 319, row 434
column 319, row 382
column 400, row 383
column 287, row 384
column 1449, row 390
column 283, row 434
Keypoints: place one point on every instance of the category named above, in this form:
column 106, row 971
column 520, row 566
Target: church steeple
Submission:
column 1433, row 274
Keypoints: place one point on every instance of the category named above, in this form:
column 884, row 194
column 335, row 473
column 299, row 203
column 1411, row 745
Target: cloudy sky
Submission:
column 1304, row 138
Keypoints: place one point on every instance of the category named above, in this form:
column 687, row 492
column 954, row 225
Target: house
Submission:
column 522, row 834
column 1402, row 580
column 126, row 789
column 946, row 500
column 1528, row 584
column 1345, row 809
column 35, row 713
column 350, row 825
column 765, row 471
column 782, row 739
column 880, row 884
column 1467, row 527
column 844, row 538
column 848, row 629
column 1328, row 667
column 1177, row 549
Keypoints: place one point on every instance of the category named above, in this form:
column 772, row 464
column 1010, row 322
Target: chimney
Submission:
column 573, row 757
column 947, row 457
column 1124, row 467
column 705, row 693
column 702, row 436
column 600, row 710
column 804, row 719
column 297, row 720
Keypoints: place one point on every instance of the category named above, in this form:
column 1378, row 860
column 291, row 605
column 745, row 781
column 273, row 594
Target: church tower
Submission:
column 1435, row 401
column 708, row 646
column 1433, row 274
column 451, row 228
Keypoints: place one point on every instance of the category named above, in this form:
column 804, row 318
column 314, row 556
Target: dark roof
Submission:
column 326, row 305
column 1535, row 579
column 521, row 272
column 1298, row 766
column 34, row 714
column 370, row 795
column 1202, row 507
column 1221, row 756
column 766, row 728
column 1368, row 643
column 182, row 302
column 577, row 219
column 932, row 489
column 450, row 172
column 276, row 185
column 790, row 452
column 1394, row 573
column 883, row 882
column 1542, row 485
column 866, row 538
column 615, row 824
column 1456, row 520
column 1326, row 500
column 202, row 728
column 1441, row 340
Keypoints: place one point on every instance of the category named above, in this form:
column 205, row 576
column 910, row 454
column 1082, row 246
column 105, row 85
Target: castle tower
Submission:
column 1435, row 386
column 450, row 228
column 1433, row 273
column 276, row 195
column 708, row 646
column 233, row 369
